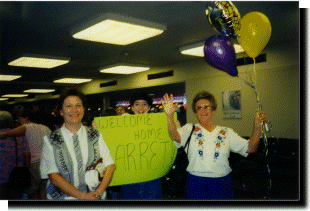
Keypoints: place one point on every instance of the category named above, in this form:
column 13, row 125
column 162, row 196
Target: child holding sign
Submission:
column 141, row 104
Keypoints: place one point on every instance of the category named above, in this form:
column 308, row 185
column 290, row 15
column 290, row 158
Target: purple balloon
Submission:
column 220, row 53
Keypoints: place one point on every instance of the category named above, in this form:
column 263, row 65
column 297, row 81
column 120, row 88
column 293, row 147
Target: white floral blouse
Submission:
column 209, row 151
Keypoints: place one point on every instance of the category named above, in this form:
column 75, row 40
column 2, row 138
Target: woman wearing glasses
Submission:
column 209, row 147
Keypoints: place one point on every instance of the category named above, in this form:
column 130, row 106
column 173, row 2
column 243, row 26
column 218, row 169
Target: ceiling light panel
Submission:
column 72, row 80
column 9, row 77
column 39, row 90
column 197, row 49
column 15, row 95
column 119, row 30
column 124, row 69
column 39, row 61
column 238, row 48
column 193, row 49
column 3, row 98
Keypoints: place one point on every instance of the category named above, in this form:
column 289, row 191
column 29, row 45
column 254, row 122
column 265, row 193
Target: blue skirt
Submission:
column 206, row 188
column 150, row 190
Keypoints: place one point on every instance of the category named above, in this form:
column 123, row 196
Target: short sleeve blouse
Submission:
column 208, row 152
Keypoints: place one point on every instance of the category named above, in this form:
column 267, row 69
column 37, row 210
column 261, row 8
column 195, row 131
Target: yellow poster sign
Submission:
column 140, row 146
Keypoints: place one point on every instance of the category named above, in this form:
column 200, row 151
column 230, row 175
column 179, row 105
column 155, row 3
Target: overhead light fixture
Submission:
column 15, row 95
column 9, row 77
column 39, row 90
column 238, row 48
column 3, row 98
column 39, row 61
column 124, row 69
column 72, row 80
column 197, row 49
column 119, row 30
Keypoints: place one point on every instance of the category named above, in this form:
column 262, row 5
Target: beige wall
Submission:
column 278, row 93
column 277, row 83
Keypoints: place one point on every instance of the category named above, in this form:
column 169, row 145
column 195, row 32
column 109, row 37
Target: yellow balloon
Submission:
column 254, row 33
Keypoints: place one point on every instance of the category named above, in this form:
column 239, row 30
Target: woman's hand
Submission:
column 90, row 196
column 66, row 187
column 259, row 119
column 97, row 194
column 169, row 106
column 94, row 125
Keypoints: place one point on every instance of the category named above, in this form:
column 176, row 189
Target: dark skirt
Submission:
column 207, row 188
column 150, row 190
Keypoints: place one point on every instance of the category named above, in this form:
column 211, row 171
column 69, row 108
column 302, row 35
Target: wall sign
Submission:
column 231, row 104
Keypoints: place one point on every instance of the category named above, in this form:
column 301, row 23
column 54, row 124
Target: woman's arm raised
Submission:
column 169, row 108
column 257, row 130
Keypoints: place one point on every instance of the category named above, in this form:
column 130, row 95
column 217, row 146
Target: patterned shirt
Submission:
column 209, row 151
column 7, row 155
column 48, row 164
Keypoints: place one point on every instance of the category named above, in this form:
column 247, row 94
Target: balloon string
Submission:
column 268, row 169
column 260, row 108
column 252, row 85
column 254, row 70
column 264, row 137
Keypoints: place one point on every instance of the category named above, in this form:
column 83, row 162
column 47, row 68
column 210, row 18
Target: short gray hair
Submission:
column 206, row 96
column 6, row 120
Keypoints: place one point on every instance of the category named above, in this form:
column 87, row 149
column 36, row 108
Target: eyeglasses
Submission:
column 199, row 108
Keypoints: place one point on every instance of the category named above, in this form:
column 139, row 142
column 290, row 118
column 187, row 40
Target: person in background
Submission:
column 43, row 117
column 34, row 134
column 109, row 112
column 58, row 119
column 151, row 190
column 8, row 155
column 68, row 151
column 209, row 172
column 17, row 110
column 121, row 110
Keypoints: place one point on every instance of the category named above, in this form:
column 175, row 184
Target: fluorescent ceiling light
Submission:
column 39, row 90
column 3, row 98
column 39, row 61
column 197, row 49
column 72, row 80
column 119, row 30
column 124, row 69
column 9, row 77
column 15, row 95
column 193, row 49
column 238, row 48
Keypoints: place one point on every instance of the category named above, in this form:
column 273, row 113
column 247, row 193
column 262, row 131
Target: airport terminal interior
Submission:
column 265, row 75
